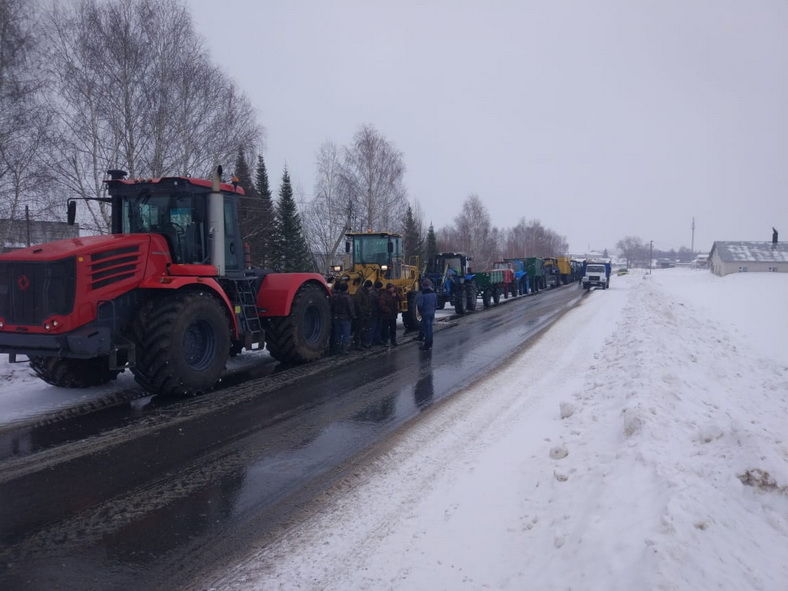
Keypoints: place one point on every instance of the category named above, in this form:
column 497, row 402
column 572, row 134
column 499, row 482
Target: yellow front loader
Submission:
column 377, row 256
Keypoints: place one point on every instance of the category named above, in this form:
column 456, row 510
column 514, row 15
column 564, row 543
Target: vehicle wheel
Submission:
column 496, row 295
column 411, row 318
column 459, row 300
column 470, row 296
column 486, row 298
column 183, row 342
column 74, row 373
column 441, row 303
column 304, row 334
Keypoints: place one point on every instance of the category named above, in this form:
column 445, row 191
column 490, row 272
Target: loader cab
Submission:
column 376, row 248
column 177, row 208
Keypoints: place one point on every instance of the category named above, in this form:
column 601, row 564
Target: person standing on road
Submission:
column 389, row 308
column 342, row 314
column 427, row 305
column 362, row 317
column 374, row 322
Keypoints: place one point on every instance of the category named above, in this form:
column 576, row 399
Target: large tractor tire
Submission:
column 470, row 296
column 73, row 373
column 459, row 300
column 183, row 342
column 486, row 296
column 441, row 303
column 411, row 318
column 303, row 335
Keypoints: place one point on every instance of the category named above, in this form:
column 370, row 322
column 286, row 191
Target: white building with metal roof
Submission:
column 740, row 257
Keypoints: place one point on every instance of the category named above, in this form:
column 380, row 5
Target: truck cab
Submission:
column 595, row 276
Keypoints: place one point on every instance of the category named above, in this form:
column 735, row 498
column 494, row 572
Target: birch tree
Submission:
column 135, row 90
column 25, row 119
column 371, row 181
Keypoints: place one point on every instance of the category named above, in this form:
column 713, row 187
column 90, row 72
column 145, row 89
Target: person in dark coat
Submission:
column 364, row 308
column 342, row 314
column 427, row 304
column 374, row 323
column 389, row 308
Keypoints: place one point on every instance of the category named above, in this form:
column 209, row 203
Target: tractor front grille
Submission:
column 31, row 292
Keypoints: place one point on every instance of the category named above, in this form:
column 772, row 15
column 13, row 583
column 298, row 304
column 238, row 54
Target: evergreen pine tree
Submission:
column 292, row 252
column 431, row 248
column 266, row 218
column 411, row 240
column 247, row 204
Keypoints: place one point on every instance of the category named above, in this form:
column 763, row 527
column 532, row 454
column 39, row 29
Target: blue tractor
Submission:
column 453, row 281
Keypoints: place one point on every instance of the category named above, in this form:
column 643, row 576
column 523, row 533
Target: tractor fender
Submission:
column 175, row 283
column 275, row 296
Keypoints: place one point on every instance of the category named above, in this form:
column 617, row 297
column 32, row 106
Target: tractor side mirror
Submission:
column 71, row 212
column 469, row 259
column 347, row 246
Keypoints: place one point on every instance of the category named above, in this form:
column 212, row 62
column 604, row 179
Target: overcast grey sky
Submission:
column 600, row 118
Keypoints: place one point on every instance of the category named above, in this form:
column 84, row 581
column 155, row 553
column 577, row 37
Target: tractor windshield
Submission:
column 451, row 265
column 374, row 250
column 179, row 217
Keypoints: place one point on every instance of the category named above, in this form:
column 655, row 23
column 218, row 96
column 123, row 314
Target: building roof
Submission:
column 751, row 252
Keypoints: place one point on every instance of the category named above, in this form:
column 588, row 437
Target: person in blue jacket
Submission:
column 427, row 304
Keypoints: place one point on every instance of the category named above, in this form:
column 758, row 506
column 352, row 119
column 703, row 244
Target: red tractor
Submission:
column 165, row 294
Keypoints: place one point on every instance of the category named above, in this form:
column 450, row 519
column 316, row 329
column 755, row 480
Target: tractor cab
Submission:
column 376, row 249
column 179, row 209
column 450, row 264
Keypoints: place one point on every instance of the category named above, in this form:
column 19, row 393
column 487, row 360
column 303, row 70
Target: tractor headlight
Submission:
column 384, row 267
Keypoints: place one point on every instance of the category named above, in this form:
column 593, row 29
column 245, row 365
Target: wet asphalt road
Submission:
column 153, row 494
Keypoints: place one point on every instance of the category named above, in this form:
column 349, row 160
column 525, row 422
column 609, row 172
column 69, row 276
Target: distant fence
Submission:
column 16, row 234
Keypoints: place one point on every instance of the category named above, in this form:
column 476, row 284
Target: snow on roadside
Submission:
column 24, row 396
column 638, row 444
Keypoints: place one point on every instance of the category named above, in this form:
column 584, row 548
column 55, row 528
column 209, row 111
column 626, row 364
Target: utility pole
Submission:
column 692, row 248
column 27, row 223
column 650, row 255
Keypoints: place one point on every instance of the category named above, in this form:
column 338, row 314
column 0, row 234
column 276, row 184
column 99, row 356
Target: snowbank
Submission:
column 639, row 444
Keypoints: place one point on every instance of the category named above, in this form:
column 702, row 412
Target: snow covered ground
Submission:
column 639, row 444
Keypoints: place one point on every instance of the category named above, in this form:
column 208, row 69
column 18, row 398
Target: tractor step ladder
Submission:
column 247, row 302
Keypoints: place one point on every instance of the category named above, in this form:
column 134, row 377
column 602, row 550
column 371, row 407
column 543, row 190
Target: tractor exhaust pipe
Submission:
column 216, row 221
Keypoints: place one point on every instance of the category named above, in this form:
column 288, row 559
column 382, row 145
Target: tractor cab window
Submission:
column 179, row 217
column 452, row 266
column 233, row 248
column 373, row 250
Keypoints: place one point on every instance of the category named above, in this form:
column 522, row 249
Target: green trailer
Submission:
column 535, row 269
column 494, row 284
